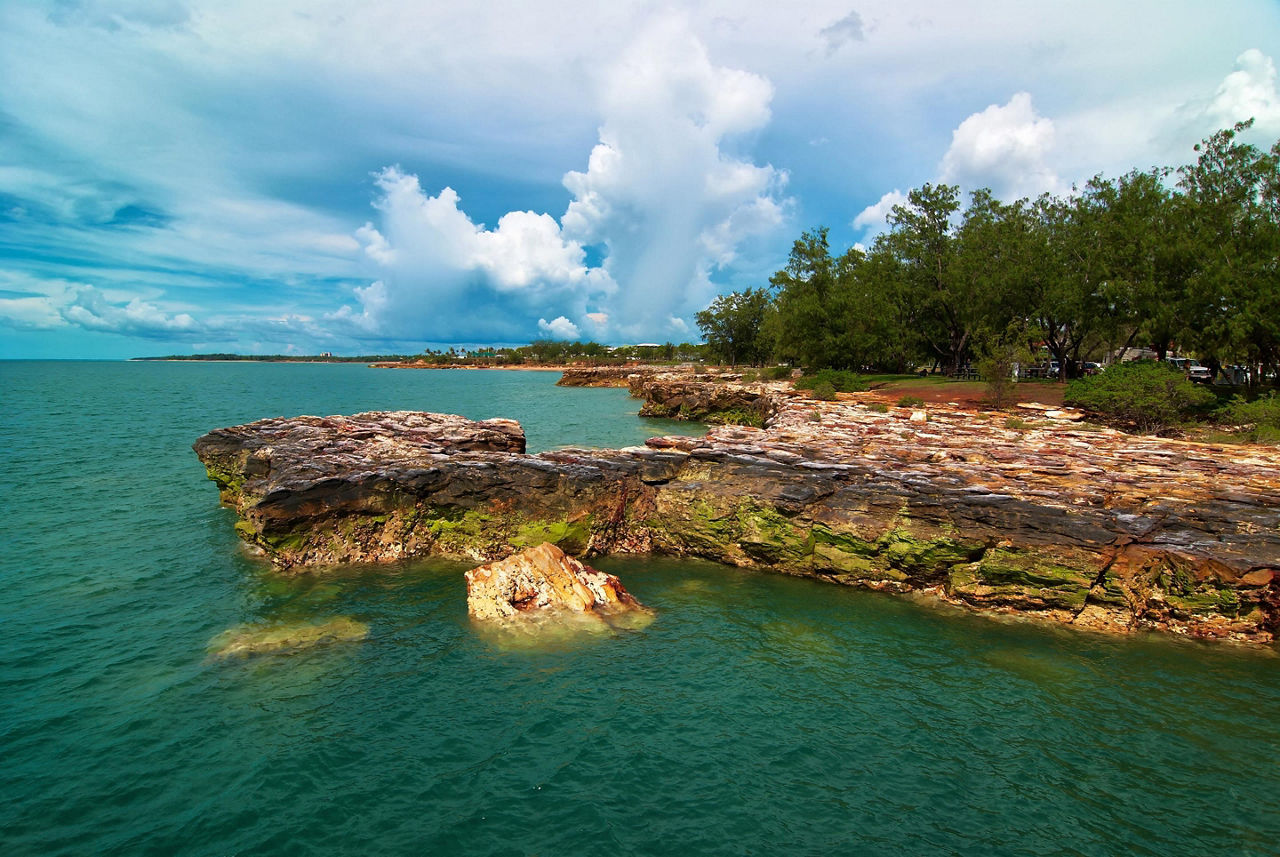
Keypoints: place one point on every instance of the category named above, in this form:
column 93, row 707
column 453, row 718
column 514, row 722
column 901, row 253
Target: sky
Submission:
column 383, row 176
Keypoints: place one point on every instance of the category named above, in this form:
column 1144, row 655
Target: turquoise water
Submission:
column 756, row 715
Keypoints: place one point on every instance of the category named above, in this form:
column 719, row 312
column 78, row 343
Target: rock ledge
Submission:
column 1088, row 527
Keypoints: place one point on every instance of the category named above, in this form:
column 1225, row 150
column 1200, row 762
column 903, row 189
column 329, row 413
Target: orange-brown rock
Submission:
column 541, row 579
column 603, row 376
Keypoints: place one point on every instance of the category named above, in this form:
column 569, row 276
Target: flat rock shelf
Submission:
column 1089, row 527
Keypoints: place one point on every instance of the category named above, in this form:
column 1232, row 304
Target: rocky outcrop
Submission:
column 544, row 579
column 603, row 376
column 719, row 400
column 1088, row 527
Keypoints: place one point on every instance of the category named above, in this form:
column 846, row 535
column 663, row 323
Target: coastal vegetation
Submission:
column 551, row 352
column 1170, row 260
column 224, row 357
column 1150, row 396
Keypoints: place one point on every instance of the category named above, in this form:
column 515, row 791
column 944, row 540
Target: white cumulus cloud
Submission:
column 559, row 328
column 1004, row 147
column 874, row 219
column 92, row 310
column 662, row 202
column 1249, row 92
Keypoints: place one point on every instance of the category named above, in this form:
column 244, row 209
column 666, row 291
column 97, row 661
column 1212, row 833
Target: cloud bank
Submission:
column 205, row 165
column 662, row 206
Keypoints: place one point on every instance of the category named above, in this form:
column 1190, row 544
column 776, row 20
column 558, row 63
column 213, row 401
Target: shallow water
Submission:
column 756, row 714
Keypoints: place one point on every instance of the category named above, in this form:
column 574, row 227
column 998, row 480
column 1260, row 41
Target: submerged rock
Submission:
column 246, row 640
column 544, row 579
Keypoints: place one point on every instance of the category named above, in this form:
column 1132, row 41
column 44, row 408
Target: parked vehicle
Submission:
column 1191, row 369
column 1199, row 373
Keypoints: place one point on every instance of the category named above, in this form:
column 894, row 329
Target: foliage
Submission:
column 825, row 391
column 838, row 379
column 1263, row 411
column 1148, row 395
column 910, row 402
column 732, row 326
column 734, row 417
column 878, row 407
column 1133, row 261
column 1017, row 424
column 750, row 377
column 1001, row 354
column 776, row 373
column 1262, row 416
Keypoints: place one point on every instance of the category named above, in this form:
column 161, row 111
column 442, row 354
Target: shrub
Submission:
column 1017, row 424
column 839, row 379
column 1263, row 415
column 997, row 368
column 910, row 402
column 734, row 417
column 1149, row 396
column 776, row 373
column 1261, row 412
column 750, row 377
column 825, row 391
column 878, row 407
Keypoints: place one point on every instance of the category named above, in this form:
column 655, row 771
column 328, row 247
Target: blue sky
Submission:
column 182, row 176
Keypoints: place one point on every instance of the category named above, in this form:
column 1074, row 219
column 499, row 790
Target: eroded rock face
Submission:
column 541, row 579
column 1093, row 528
column 723, row 400
column 603, row 376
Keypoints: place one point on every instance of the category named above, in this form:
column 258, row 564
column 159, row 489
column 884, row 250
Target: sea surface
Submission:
column 757, row 714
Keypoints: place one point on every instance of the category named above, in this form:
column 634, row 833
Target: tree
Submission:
column 1072, row 290
column 1233, row 196
column 923, row 238
column 732, row 326
column 1151, row 262
column 804, row 326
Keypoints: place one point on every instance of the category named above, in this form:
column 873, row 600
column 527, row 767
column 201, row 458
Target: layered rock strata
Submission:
column 602, row 376
column 725, row 400
column 544, row 579
column 1089, row 527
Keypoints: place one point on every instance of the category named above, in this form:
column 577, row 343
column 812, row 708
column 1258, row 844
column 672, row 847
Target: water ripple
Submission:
column 756, row 715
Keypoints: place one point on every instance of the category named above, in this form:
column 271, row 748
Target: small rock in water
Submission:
column 245, row 640
column 542, row 580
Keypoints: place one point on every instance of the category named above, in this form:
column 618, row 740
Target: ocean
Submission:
column 758, row 714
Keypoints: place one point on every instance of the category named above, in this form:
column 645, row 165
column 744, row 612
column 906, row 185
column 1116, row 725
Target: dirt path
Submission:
column 968, row 393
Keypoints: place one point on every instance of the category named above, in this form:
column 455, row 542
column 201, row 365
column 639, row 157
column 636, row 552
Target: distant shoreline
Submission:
column 263, row 358
column 520, row 367
column 372, row 361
